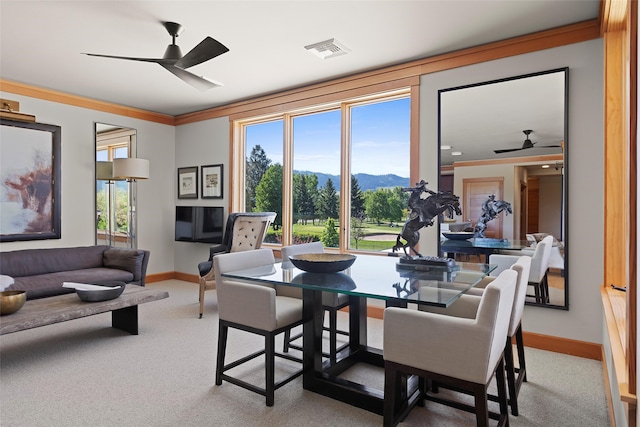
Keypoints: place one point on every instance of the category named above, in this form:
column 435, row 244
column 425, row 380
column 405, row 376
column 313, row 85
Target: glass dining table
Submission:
column 370, row 276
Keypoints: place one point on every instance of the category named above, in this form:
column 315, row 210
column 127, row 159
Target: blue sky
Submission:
column 380, row 140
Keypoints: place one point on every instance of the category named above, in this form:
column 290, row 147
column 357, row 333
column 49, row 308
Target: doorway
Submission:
column 475, row 191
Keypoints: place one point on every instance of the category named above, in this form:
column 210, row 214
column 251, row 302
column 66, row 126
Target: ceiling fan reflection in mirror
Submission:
column 526, row 144
column 175, row 63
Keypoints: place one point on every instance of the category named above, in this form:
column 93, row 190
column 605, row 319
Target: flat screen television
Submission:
column 203, row 224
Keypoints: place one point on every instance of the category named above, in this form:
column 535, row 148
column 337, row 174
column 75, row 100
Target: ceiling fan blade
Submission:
column 508, row 150
column 156, row 60
column 207, row 49
column 548, row 146
column 198, row 82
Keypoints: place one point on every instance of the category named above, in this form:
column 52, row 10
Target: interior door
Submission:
column 475, row 191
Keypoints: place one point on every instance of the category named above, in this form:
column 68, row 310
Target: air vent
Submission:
column 328, row 49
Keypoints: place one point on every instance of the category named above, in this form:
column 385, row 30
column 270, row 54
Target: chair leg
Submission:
column 502, row 394
column 522, row 369
column 201, row 299
column 222, row 348
column 545, row 287
column 287, row 338
column 536, row 288
column 333, row 335
column 269, row 362
column 481, row 405
column 511, row 377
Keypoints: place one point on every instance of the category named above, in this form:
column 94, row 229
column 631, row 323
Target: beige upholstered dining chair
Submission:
column 539, row 267
column 461, row 352
column 331, row 302
column 254, row 308
column 522, row 267
column 244, row 231
column 460, row 308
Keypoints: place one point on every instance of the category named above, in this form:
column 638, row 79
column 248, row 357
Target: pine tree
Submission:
column 357, row 199
column 330, row 237
column 327, row 205
column 257, row 165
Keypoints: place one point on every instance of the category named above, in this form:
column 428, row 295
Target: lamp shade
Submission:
column 130, row 168
column 104, row 171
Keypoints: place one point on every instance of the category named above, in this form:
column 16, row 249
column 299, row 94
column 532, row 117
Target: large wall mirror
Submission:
column 508, row 137
column 115, row 201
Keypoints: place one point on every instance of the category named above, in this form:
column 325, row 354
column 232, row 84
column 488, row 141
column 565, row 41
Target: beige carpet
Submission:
column 84, row 373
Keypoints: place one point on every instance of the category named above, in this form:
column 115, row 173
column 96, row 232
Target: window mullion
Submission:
column 287, row 181
column 345, row 176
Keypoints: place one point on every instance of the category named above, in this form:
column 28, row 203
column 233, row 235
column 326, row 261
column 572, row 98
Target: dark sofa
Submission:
column 41, row 272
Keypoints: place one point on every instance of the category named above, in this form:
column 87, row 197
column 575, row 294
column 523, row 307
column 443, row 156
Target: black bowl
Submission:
column 111, row 291
column 323, row 263
column 458, row 235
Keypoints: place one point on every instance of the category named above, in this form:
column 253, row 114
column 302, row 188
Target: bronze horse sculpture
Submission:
column 490, row 209
column 422, row 212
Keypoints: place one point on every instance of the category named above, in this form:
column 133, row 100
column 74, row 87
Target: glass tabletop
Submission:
column 484, row 243
column 377, row 277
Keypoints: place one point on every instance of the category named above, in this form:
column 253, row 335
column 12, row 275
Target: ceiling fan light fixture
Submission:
column 328, row 49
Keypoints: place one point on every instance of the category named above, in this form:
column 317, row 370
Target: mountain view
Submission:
column 366, row 181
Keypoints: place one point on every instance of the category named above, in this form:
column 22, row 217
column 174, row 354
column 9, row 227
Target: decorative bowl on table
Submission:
column 111, row 290
column 11, row 301
column 323, row 262
column 458, row 235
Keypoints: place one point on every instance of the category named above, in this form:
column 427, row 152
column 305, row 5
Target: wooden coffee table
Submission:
column 47, row 311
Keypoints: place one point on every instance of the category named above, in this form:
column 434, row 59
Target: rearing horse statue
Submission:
column 422, row 211
column 490, row 209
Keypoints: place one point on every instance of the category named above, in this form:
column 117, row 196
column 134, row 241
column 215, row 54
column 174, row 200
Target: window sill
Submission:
column 615, row 316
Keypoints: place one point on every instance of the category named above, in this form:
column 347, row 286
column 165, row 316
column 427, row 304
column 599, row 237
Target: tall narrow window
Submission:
column 380, row 147
column 316, row 178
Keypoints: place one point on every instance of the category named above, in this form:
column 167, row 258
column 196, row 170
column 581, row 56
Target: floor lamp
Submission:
column 131, row 169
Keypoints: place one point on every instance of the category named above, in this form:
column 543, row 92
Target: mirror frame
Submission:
column 565, row 182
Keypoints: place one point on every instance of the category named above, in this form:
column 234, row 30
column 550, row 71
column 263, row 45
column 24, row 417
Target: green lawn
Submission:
column 315, row 231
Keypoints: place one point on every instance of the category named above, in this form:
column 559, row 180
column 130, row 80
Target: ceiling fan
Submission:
column 526, row 144
column 175, row 63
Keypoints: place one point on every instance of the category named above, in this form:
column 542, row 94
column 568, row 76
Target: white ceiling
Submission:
column 41, row 42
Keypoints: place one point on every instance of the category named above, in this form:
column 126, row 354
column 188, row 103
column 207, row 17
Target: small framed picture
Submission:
column 211, row 182
column 188, row 183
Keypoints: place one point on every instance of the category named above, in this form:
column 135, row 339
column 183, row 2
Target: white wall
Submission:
column 198, row 144
column 585, row 170
column 155, row 195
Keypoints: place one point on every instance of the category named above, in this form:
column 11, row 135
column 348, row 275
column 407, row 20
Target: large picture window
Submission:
column 332, row 174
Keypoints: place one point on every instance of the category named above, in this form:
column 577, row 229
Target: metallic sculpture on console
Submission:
column 422, row 211
column 490, row 209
